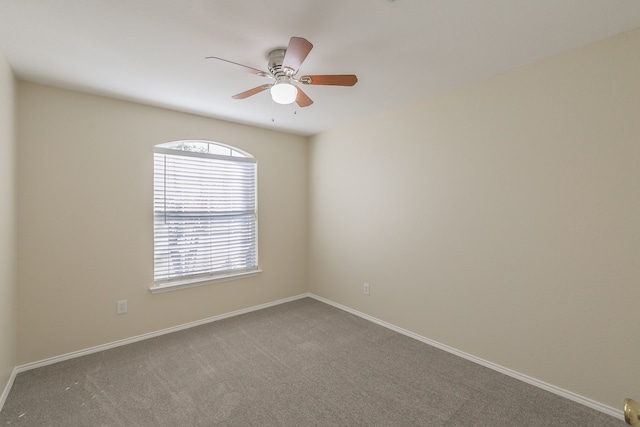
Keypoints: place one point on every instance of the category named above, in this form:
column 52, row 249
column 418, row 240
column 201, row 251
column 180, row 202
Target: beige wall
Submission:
column 85, row 237
column 501, row 219
column 8, row 278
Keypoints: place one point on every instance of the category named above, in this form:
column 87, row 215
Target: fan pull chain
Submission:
column 273, row 118
column 272, row 112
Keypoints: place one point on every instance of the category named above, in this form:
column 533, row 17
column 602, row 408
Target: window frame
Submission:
column 236, row 156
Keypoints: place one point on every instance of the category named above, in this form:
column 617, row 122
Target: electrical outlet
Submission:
column 365, row 289
column 122, row 307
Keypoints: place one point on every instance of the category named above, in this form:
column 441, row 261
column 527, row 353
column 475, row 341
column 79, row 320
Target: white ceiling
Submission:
column 152, row 51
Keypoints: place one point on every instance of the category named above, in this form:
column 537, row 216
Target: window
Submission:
column 205, row 214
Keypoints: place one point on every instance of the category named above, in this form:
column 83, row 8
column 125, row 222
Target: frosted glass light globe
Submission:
column 283, row 93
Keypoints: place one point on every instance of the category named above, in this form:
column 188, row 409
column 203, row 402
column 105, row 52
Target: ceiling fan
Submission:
column 283, row 65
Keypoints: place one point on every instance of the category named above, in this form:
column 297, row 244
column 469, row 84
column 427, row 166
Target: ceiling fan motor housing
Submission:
column 275, row 58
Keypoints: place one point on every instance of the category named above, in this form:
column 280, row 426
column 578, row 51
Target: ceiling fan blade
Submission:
column 297, row 51
column 302, row 99
column 244, row 68
column 251, row 92
column 334, row 80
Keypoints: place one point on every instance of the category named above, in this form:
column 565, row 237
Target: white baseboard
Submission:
column 79, row 353
column 7, row 388
column 102, row 347
column 527, row 379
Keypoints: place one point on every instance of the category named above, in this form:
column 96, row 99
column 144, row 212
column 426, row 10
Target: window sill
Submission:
column 184, row 284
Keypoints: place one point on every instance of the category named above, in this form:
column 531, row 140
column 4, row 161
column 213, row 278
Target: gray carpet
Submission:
column 303, row 363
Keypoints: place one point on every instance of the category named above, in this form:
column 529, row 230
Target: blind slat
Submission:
column 204, row 215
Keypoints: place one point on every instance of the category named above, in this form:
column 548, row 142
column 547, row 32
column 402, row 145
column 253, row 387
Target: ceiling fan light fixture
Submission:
column 283, row 65
column 284, row 93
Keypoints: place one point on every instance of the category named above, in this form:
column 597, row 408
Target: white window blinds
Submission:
column 204, row 215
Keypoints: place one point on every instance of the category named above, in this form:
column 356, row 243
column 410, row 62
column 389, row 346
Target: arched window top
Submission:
column 205, row 147
column 205, row 213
